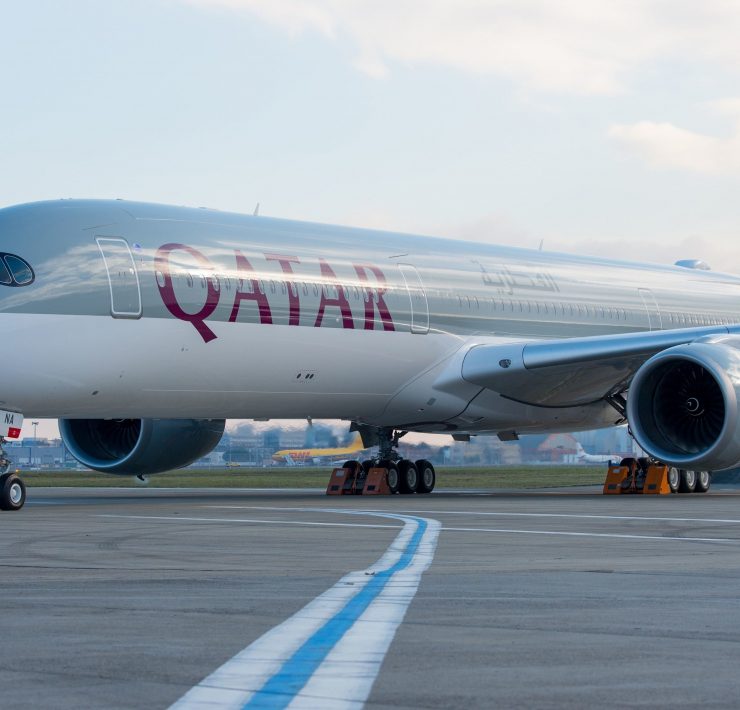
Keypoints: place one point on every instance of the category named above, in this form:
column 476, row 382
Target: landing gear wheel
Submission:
column 703, row 481
column 688, row 481
column 408, row 477
column 674, row 479
column 393, row 475
column 427, row 476
column 12, row 492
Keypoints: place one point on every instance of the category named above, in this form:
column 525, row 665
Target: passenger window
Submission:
column 21, row 271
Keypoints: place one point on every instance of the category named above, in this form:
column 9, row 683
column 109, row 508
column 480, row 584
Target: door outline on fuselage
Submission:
column 655, row 320
column 420, row 304
column 122, row 293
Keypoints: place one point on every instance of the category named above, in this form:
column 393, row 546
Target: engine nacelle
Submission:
column 683, row 405
column 139, row 446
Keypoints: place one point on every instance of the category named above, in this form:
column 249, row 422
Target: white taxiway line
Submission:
column 329, row 653
column 530, row 532
column 583, row 516
column 252, row 521
column 508, row 531
column 662, row 538
column 502, row 514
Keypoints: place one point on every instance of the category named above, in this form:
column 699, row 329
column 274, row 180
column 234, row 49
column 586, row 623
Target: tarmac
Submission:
column 533, row 599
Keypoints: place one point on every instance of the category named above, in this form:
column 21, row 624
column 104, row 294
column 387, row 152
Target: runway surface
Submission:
column 548, row 599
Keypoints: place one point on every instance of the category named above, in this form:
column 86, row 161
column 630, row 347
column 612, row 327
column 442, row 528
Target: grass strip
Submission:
column 447, row 477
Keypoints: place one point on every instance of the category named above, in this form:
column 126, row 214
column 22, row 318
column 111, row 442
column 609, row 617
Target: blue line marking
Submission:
column 280, row 690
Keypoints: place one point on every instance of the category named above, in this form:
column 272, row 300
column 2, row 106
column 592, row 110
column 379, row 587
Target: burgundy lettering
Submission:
column 167, row 290
column 370, row 305
column 243, row 266
column 340, row 301
column 293, row 300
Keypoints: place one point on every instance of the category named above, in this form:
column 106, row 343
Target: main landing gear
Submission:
column 402, row 475
column 12, row 488
column 645, row 475
column 682, row 480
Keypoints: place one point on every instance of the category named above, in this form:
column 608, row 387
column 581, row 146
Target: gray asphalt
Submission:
column 123, row 599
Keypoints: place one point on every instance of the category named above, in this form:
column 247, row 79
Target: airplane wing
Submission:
column 573, row 371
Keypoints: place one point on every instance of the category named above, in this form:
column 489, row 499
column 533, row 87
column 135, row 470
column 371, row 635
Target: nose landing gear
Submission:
column 12, row 488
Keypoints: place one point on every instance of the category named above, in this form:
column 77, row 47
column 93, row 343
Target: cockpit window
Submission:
column 19, row 271
column 5, row 277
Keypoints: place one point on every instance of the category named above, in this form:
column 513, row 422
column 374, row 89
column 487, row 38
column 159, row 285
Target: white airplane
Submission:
column 143, row 327
column 583, row 457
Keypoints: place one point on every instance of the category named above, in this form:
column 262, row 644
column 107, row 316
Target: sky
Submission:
column 597, row 127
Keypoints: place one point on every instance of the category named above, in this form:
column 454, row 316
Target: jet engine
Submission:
column 683, row 405
column 139, row 446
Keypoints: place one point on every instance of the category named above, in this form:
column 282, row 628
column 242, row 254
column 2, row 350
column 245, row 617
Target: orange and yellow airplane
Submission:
column 296, row 456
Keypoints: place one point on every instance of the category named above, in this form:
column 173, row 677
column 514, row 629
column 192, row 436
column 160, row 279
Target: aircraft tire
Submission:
column 12, row 492
column 427, row 476
column 674, row 479
column 703, row 481
column 688, row 481
column 392, row 476
column 408, row 480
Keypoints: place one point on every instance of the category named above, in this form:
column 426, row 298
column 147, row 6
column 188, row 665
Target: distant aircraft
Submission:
column 583, row 457
column 296, row 456
column 143, row 327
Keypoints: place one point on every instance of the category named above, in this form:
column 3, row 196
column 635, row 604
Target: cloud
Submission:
column 722, row 254
column 727, row 107
column 721, row 250
column 570, row 46
column 666, row 146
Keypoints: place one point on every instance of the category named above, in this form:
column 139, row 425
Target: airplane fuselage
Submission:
column 139, row 310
